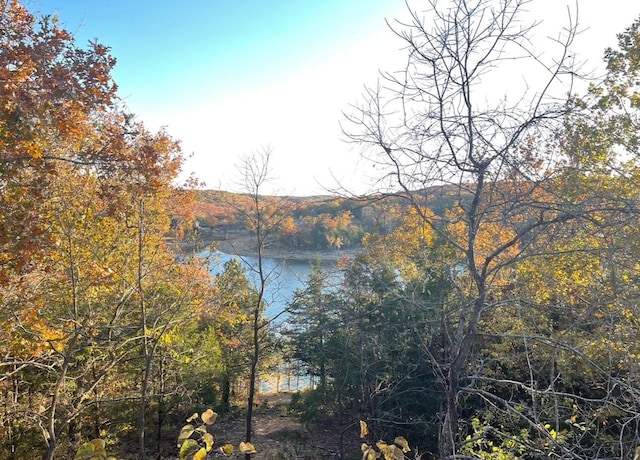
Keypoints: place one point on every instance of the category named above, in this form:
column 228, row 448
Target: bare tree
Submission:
column 262, row 218
column 456, row 125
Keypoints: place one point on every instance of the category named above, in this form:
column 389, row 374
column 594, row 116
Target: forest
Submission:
column 488, row 308
column 316, row 222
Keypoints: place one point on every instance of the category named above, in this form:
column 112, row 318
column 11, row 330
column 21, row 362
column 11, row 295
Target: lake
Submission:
column 285, row 277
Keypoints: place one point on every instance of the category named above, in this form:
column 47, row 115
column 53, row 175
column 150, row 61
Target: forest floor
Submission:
column 279, row 435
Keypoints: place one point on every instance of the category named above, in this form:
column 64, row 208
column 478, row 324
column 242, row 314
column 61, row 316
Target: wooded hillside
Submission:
column 317, row 222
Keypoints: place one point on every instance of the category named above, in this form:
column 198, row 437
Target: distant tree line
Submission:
column 315, row 222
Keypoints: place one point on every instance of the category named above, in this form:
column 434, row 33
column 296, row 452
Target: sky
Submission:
column 232, row 77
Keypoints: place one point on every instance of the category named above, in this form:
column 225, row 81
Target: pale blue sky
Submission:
column 229, row 76
column 213, row 46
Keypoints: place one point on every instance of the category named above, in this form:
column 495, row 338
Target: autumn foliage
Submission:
column 90, row 292
column 489, row 311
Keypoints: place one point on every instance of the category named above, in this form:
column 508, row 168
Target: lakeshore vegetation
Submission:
column 488, row 306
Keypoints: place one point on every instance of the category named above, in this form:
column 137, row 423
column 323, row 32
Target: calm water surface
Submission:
column 285, row 276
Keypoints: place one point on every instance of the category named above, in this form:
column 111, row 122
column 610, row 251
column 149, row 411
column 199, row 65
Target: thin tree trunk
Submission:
column 51, row 423
column 96, row 411
column 226, row 390
column 51, row 432
column 254, row 372
column 160, row 412
column 142, row 415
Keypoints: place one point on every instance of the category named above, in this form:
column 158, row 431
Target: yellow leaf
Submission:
column 98, row 444
column 208, row 441
column 209, row 417
column 364, row 429
column 185, row 433
column 227, row 449
column 201, row 454
column 401, row 442
column 394, row 453
column 368, row 453
column 85, row 451
column 381, row 445
column 247, row 448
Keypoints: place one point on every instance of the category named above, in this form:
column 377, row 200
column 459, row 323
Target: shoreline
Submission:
column 242, row 244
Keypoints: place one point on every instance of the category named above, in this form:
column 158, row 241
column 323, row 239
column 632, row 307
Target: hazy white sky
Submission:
column 230, row 76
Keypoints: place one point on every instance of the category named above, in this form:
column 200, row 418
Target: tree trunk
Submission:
column 161, row 411
column 253, row 376
column 226, row 390
column 449, row 430
column 142, row 416
column 48, row 455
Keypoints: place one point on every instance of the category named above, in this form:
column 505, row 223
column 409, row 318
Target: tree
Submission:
column 439, row 126
column 51, row 93
column 310, row 323
column 83, row 188
column 262, row 218
column 576, row 303
column 397, row 294
column 232, row 315
column 563, row 331
column 74, row 311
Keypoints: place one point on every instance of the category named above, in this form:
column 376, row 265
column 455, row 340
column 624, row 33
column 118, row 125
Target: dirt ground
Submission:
column 278, row 435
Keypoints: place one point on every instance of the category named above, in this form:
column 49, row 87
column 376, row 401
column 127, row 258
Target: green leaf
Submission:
column 92, row 450
column 189, row 447
column 85, row 451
